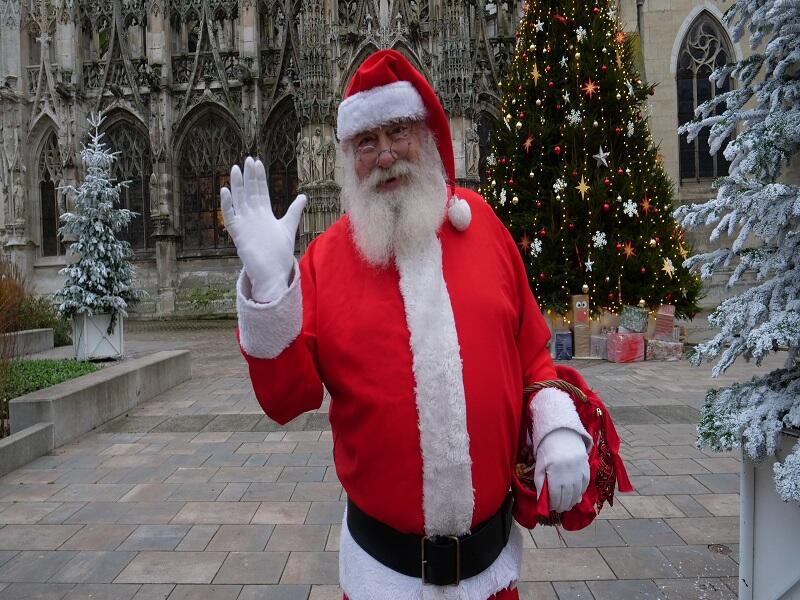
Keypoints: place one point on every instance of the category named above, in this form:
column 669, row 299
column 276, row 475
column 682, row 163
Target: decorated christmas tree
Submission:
column 757, row 217
column 574, row 172
column 100, row 280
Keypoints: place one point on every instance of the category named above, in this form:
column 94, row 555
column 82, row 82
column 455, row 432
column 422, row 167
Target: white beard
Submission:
column 397, row 222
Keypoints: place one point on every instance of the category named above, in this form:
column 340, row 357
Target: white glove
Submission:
column 562, row 456
column 265, row 244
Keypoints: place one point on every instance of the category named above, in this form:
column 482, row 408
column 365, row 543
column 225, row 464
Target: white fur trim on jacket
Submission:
column 364, row 578
column 265, row 330
column 372, row 108
column 552, row 409
column 459, row 213
column 448, row 499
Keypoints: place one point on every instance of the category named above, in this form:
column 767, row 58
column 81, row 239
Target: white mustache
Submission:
column 400, row 168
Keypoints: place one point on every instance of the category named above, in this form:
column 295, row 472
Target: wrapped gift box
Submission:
column 625, row 347
column 581, row 341
column 600, row 346
column 633, row 319
column 562, row 342
column 664, row 350
column 665, row 323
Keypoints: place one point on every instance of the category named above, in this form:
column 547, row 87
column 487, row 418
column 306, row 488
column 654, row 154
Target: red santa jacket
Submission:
column 424, row 361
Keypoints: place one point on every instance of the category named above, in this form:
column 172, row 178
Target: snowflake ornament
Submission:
column 536, row 247
column 629, row 208
column 502, row 197
column 574, row 117
column 559, row 185
column 629, row 132
column 599, row 239
column 491, row 160
column 580, row 33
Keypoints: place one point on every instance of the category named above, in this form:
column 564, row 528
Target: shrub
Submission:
column 40, row 313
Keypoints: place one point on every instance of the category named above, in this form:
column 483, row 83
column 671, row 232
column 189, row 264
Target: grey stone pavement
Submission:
column 195, row 495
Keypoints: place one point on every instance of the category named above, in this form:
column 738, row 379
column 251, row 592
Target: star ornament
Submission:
column 536, row 75
column 620, row 37
column 590, row 88
column 646, row 205
column 589, row 264
column 600, row 157
column 628, row 250
column 525, row 242
column 582, row 188
column 539, row 25
column 668, row 267
column 528, row 142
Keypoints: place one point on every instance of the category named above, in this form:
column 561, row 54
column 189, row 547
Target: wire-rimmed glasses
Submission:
column 399, row 141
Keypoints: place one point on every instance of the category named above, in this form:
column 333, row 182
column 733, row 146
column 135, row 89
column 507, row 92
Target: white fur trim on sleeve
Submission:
column 265, row 330
column 364, row 578
column 553, row 409
column 372, row 108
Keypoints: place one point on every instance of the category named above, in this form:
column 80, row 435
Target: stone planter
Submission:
column 91, row 340
column 768, row 533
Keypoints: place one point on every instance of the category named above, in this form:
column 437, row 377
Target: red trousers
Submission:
column 507, row 594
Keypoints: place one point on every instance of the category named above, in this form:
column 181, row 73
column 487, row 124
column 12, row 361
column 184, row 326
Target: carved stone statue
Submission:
column 472, row 150
column 316, row 156
column 302, row 159
column 329, row 161
column 19, row 198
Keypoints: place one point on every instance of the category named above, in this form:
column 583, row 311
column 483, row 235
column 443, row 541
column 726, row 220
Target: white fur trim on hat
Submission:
column 552, row 409
column 459, row 213
column 373, row 108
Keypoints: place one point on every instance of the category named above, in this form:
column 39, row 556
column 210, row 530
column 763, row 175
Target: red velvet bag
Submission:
column 606, row 470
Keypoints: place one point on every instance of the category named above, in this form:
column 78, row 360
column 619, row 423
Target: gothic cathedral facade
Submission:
column 190, row 87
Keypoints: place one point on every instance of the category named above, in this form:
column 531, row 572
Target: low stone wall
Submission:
column 79, row 405
column 22, row 447
column 31, row 341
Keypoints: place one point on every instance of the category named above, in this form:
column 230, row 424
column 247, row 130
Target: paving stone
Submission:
column 698, row 561
column 641, row 589
column 102, row 591
column 30, row 492
column 563, row 564
column 232, row 423
column 707, row 530
column 217, row 513
column 91, row 566
column 680, row 451
column 280, row 513
column 660, row 485
column 206, row 592
column 155, row 537
column 325, row 592
column 599, row 533
column 643, row 467
column 172, row 567
column 312, row 567
column 637, row 563
column 634, row 415
column 153, row 591
column 325, row 513
column 98, row 536
column 242, row 538
column 83, row 475
column 571, row 590
column 297, row 474
column 197, row 492
column 183, row 423
column 645, row 532
column 689, row 506
column 100, row 512
column 269, row 492
column 275, row 592
column 721, row 465
column 39, row 591
column 7, row 555
column 548, row 537
column 26, row 513
column 35, row 537
column 694, row 589
column 719, row 483
column 64, row 511
column 299, row 537
column 253, row 568
column 267, row 448
column 720, row 505
column 241, row 474
column 198, row 537
column 233, row 492
column 317, row 491
column 152, row 513
column 676, row 413
column 192, row 475
column 680, row 466
column 34, row 566
column 649, row 506
column 91, row 492
column 333, row 538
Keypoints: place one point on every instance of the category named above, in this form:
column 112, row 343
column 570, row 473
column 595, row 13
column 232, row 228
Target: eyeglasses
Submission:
column 399, row 142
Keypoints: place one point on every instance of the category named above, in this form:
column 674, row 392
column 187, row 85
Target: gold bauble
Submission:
column 518, row 125
column 577, row 55
column 514, row 200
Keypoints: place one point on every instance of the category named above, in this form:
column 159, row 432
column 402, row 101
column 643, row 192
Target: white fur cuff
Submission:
column 265, row 330
column 372, row 108
column 553, row 409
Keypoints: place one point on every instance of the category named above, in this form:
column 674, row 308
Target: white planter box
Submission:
column 769, row 566
column 91, row 340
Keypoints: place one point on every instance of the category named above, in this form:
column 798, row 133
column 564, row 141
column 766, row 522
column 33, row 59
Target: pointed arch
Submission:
column 487, row 122
column 278, row 150
column 704, row 48
column 126, row 134
column 209, row 143
column 48, row 176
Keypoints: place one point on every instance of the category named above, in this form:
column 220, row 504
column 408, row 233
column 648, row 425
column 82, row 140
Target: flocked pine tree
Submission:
column 575, row 175
column 101, row 278
column 757, row 208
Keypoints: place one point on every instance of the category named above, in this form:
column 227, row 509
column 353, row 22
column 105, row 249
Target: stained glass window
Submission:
column 49, row 176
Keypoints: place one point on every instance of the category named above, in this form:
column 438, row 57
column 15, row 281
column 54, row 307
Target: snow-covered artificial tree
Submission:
column 757, row 210
column 100, row 280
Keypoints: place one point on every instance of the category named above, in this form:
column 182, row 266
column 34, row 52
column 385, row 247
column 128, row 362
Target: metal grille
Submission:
column 133, row 165
column 49, row 175
column 211, row 147
column 704, row 49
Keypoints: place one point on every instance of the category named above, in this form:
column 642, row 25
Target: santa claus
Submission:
column 414, row 312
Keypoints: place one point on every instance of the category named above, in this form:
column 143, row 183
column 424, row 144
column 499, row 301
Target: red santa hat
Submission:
column 387, row 88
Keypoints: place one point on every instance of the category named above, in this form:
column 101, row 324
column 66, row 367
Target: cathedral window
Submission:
column 49, row 178
column 209, row 149
column 704, row 49
column 279, row 156
column 486, row 126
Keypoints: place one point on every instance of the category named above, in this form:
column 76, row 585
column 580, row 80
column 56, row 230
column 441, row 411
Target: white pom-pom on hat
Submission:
column 459, row 213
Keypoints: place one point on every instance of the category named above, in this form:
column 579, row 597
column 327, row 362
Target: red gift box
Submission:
column 625, row 347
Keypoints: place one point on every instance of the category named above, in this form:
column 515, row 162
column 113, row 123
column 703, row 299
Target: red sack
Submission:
column 606, row 470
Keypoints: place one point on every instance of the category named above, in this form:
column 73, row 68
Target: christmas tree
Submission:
column 756, row 209
column 574, row 173
column 100, row 280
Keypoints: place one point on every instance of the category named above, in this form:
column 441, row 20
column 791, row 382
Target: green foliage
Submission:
column 575, row 174
column 201, row 298
column 28, row 376
column 40, row 313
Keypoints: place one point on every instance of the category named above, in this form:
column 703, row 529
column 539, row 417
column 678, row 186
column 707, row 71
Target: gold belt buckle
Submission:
column 458, row 557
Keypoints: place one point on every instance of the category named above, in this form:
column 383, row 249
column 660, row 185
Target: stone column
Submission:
column 11, row 43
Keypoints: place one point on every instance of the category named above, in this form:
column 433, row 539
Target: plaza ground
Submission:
column 196, row 495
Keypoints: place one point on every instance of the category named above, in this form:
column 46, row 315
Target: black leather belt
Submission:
column 441, row 560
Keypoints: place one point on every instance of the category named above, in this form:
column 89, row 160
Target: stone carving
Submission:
column 316, row 152
column 303, row 157
column 19, row 197
column 472, row 152
column 329, row 161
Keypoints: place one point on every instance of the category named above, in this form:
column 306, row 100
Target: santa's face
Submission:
column 393, row 189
